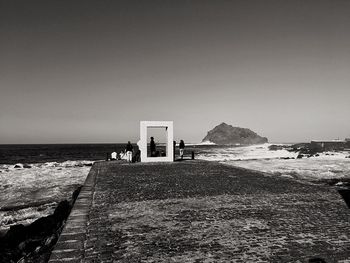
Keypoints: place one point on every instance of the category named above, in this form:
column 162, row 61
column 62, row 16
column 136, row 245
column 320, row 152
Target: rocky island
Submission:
column 225, row 134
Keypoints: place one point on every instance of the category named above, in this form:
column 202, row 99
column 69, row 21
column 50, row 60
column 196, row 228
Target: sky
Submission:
column 90, row 71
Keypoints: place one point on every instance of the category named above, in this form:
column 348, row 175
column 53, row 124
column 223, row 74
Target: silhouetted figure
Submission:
column 129, row 150
column 152, row 147
column 137, row 156
column 174, row 143
column 182, row 149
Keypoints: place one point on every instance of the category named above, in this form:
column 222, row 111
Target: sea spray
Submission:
column 326, row 165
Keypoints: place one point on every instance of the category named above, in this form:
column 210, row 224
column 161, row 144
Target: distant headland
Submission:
column 225, row 134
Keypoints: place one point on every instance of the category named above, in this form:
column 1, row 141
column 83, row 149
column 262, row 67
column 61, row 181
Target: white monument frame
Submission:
column 142, row 143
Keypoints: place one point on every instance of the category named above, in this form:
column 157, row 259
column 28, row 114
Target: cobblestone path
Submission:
column 197, row 211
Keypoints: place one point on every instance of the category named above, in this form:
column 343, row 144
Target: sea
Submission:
column 34, row 178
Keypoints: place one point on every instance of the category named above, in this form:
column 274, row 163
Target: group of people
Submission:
column 129, row 150
column 127, row 154
column 154, row 152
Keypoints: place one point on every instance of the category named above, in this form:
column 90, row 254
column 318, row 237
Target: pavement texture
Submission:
column 199, row 211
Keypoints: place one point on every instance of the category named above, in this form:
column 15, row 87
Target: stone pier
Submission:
column 198, row 211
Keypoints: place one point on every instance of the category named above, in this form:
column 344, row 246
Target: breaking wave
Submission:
column 328, row 165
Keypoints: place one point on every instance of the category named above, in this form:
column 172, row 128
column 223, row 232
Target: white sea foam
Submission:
column 258, row 157
column 34, row 191
column 206, row 143
column 260, row 151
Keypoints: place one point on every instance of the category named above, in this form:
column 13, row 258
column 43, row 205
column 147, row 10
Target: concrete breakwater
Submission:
column 199, row 211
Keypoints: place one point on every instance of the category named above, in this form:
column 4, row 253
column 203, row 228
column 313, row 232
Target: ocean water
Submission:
column 54, row 171
column 41, row 153
column 29, row 193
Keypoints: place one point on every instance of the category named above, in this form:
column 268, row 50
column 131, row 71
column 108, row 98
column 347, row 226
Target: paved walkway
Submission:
column 197, row 211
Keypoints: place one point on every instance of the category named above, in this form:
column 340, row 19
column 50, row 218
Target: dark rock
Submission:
column 51, row 240
column 27, row 166
column 43, row 226
column 300, row 156
column 6, row 186
column 229, row 135
column 275, row 147
column 76, row 194
column 22, row 246
column 345, row 194
column 33, row 243
column 88, row 164
column 62, row 210
column 305, row 148
column 15, row 235
column 18, row 166
column 30, row 245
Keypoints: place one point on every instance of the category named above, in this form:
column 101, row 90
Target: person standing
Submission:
column 152, row 147
column 174, row 147
column 129, row 150
column 182, row 148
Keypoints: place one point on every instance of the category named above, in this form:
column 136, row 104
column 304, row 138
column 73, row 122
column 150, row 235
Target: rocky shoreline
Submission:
column 304, row 150
column 34, row 242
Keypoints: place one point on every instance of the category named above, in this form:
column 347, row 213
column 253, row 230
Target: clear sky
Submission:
column 79, row 72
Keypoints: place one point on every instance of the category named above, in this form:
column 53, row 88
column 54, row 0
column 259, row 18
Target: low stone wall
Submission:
column 70, row 245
